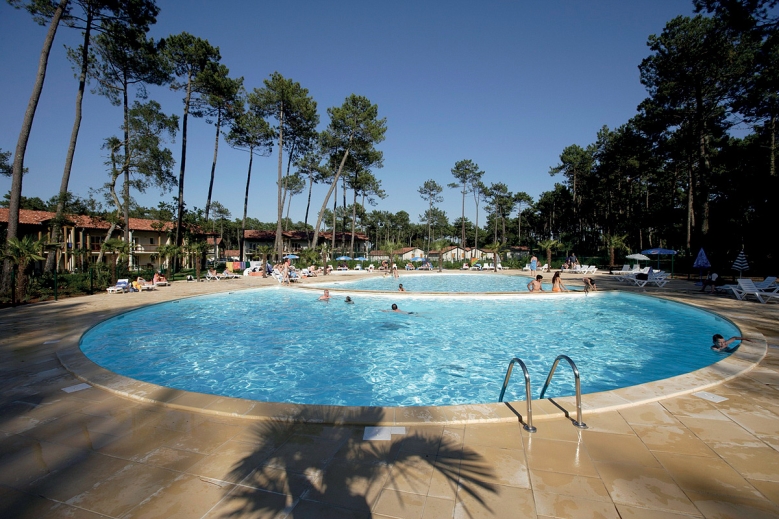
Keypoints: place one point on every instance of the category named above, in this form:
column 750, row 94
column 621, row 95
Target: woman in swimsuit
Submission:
column 557, row 283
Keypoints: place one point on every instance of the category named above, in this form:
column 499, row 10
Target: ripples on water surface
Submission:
column 282, row 345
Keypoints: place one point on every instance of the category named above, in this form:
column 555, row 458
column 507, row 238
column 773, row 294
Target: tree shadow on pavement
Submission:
column 303, row 469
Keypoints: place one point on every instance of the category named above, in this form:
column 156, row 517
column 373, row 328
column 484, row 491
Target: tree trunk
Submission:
column 126, row 168
column 354, row 219
column 772, row 158
column 182, row 168
column 82, row 81
column 24, row 136
column 462, row 237
column 245, row 204
column 213, row 163
column 308, row 204
column 280, row 203
column 335, row 218
column 329, row 193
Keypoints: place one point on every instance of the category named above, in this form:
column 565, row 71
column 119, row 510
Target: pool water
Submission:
column 440, row 282
column 283, row 345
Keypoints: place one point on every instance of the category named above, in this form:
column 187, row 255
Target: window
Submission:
column 151, row 241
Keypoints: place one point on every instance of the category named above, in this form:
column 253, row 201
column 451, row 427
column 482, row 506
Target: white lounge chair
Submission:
column 122, row 285
column 746, row 288
column 544, row 267
column 212, row 276
column 768, row 284
column 655, row 278
column 526, row 267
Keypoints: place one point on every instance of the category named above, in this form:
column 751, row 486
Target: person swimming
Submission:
column 400, row 288
column 325, row 296
column 348, row 300
column 720, row 344
column 394, row 308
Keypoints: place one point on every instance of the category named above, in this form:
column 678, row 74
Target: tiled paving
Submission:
column 92, row 453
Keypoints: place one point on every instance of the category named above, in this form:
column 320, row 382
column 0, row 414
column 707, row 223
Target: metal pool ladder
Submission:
column 529, row 425
column 578, row 422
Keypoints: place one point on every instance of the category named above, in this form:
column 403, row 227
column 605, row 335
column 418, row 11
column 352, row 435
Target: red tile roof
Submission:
column 28, row 217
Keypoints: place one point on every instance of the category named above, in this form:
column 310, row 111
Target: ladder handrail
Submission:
column 578, row 422
column 529, row 425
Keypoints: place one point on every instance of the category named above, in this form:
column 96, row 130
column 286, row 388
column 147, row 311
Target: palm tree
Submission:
column 615, row 243
column 198, row 249
column 309, row 257
column 264, row 251
column 549, row 246
column 167, row 252
column 390, row 247
column 119, row 249
column 496, row 248
column 439, row 245
column 21, row 253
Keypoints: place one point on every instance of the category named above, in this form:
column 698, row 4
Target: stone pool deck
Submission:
column 120, row 451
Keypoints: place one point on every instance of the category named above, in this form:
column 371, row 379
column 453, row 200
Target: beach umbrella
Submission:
column 662, row 252
column 701, row 263
column 291, row 256
column 361, row 258
column 343, row 258
column 417, row 258
column 741, row 263
column 637, row 257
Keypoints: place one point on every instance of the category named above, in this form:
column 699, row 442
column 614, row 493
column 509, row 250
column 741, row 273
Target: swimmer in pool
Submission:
column 395, row 308
column 535, row 285
column 720, row 344
column 348, row 300
column 400, row 288
column 325, row 296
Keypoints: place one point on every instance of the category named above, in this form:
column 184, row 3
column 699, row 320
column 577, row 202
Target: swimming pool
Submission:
column 483, row 282
column 282, row 345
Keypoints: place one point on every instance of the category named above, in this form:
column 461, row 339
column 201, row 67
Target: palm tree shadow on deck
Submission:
column 305, row 467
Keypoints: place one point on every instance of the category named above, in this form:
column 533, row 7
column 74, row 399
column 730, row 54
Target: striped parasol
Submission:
column 741, row 263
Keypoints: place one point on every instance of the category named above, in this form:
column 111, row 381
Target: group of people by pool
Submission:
column 557, row 284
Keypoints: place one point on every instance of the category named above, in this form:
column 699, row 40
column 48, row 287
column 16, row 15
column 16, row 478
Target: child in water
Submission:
column 720, row 344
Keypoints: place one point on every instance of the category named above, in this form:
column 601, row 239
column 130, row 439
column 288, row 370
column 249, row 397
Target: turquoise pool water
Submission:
column 443, row 282
column 283, row 345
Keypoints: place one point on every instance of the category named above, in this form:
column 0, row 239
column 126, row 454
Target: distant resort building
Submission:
column 405, row 254
column 296, row 241
column 83, row 236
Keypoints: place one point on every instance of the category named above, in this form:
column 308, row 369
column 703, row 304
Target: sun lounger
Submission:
column 746, row 288
column 213, row 276
column 655, row 278
column 122, row 285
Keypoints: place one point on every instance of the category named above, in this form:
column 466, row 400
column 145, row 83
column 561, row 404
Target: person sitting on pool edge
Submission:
column 535, row 285
column 589, row 284
column 720, row 344
column 557, row 283
column 400, row 288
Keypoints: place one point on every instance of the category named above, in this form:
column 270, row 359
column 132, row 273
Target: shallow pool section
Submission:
column 281, row 345
column 441, row 282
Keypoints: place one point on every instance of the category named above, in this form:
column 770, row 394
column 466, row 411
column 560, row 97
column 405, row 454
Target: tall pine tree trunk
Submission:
column 213, row 163
column 245, row 204
column 82, row 81
column 182, row 168
column 24, row 136
column 280, row 203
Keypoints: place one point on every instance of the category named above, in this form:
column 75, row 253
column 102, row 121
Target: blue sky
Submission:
column 506, row 84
